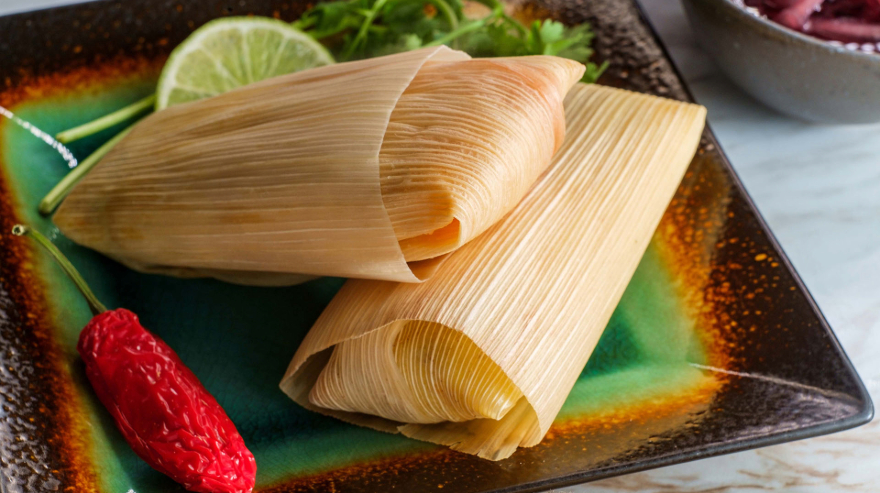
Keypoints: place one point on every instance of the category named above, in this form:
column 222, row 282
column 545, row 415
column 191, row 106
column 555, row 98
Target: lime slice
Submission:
column 232, row 52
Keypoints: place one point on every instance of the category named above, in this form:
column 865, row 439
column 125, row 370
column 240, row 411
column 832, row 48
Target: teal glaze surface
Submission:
column 239, row 340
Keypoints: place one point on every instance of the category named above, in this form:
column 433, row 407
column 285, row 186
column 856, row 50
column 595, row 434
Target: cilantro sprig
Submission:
column 355, row 29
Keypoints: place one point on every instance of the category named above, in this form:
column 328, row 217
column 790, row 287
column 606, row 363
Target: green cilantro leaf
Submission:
column 354, row 29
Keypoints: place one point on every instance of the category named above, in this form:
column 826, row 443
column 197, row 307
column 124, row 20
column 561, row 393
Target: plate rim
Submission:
column 865, row 410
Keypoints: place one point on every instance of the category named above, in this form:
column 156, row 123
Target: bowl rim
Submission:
column 740, row 10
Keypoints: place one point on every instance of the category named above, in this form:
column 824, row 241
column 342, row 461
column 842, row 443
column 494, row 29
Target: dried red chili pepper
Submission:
column 159, row 405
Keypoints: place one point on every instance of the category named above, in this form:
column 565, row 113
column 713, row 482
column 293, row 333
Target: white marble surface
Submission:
column 819, row 188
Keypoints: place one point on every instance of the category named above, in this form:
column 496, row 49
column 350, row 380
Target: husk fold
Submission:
column 369, row 169
column 532, row 295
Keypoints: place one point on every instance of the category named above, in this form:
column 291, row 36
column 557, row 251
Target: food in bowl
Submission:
column 854, row 24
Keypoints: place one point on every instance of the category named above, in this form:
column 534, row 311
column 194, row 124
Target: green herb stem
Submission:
column 515, row 23
column 461, row 31
column 51, row 201
column 364, row 29
column 447, row 11
column 94, row 304
column 496, row 6
column 106, row 121
column 593, row 72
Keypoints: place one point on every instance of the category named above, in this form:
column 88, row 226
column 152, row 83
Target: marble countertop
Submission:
column 818, row 186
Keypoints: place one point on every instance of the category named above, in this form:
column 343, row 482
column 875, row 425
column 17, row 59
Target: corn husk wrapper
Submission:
column 482, row 356
column 369, row 169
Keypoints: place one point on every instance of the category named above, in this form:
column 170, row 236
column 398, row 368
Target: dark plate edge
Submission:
column 692, row 455
column 863, row 416
column 867, row 411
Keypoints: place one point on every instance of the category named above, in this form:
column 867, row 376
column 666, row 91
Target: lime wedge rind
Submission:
column 231, row 52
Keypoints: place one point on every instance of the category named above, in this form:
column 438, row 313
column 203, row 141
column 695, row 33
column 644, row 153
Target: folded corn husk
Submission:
column 482, row 356
column 369, row 169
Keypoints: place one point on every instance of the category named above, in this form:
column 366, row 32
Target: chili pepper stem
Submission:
column 107, row 121
column 53, row 199
column 94, row 304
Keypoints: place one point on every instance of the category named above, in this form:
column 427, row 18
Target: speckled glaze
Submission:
column 715, row 347
column 793, row 73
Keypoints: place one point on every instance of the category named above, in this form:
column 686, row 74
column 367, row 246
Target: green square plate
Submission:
column 715, row 347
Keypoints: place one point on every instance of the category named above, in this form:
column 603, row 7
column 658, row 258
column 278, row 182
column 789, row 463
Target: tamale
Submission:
column 481, row 356
column 369, row 169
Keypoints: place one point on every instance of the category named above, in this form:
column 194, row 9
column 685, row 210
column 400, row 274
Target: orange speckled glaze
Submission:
column 46, row 417
column 601, row 437
column 81, row 79
column 686, row 240
column 49, row 415
column 760, row 332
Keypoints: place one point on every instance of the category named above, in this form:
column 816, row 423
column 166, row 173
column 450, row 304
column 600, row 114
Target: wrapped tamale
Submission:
column 370, row 169
column 482, row 356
